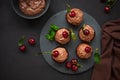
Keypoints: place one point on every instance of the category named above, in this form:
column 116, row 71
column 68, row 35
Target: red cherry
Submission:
column 72, row 14
column 74, row 61
column 68, row 65
column 86, row 31
column 107, row 9
column 74, row 68
column 87, row 49
column 22, row 48
column 55, row 54
column 31, row 41
column 65, row 34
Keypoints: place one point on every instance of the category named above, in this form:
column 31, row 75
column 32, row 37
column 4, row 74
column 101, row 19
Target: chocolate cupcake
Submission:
column 87, row 33
column 84, row 51
column 59, row 54
column 62, row 36
column 32, row 7
column 74, row 17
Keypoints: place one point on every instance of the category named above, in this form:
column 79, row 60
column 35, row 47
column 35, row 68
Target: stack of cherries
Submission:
column 108, row 4
column 73, row 65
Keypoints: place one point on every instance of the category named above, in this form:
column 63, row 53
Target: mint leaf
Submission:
column 54, row 27
column 83, row 26
column 73, row 35
column 49, row 37
column 97, row 58
column 21, row 41
column 52, row 31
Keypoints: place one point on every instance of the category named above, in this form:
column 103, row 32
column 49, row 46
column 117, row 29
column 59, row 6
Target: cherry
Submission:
column 65, row 34
column 74, row 61
column 31, row 41
column 68, row 65
column 86, row 31
column 107, row 9
column 74, row 68
column 22, row 48
column 55, row 53
column 87, row 49
column 72, row 14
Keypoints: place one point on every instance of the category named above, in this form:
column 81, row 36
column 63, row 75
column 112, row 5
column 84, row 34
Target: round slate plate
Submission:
column 59, row 19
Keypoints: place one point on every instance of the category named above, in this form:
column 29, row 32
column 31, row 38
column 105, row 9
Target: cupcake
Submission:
column 87, row 33
column 74, row 17
column 84, row 51
column 62, row 36
column 32, row 7
column 59, row 54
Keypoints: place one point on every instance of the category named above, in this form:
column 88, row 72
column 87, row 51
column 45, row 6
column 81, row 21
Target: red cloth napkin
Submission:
column 109, row 67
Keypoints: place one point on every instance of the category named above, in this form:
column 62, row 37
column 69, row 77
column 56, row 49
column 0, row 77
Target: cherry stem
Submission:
column 66, row 1
column 67, row 5
column 78, row 65
column 42, row 53
column 113, row 3
column 96, row 50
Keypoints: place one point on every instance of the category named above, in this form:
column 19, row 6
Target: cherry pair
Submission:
column 31, row 41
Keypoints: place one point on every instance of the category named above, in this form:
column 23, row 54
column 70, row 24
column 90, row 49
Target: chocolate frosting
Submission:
column 32, row 7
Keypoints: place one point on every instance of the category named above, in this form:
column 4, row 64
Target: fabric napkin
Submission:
column 109, row 67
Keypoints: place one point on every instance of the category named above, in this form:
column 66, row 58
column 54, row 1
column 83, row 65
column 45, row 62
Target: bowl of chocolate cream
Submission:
column 30, row 9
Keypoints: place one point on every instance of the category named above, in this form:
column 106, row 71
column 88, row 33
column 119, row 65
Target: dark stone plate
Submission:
column 47, row 46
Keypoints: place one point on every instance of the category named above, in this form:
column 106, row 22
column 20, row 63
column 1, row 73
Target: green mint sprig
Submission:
column 54, row 27
column 51, row 32
column 73, row 35
column 97, row 56
column 21, row 41
column 83, row 26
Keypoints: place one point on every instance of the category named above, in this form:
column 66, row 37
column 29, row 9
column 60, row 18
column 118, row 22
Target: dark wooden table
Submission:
column 15, row 65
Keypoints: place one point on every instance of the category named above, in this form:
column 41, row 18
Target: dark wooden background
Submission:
column 15, row 65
